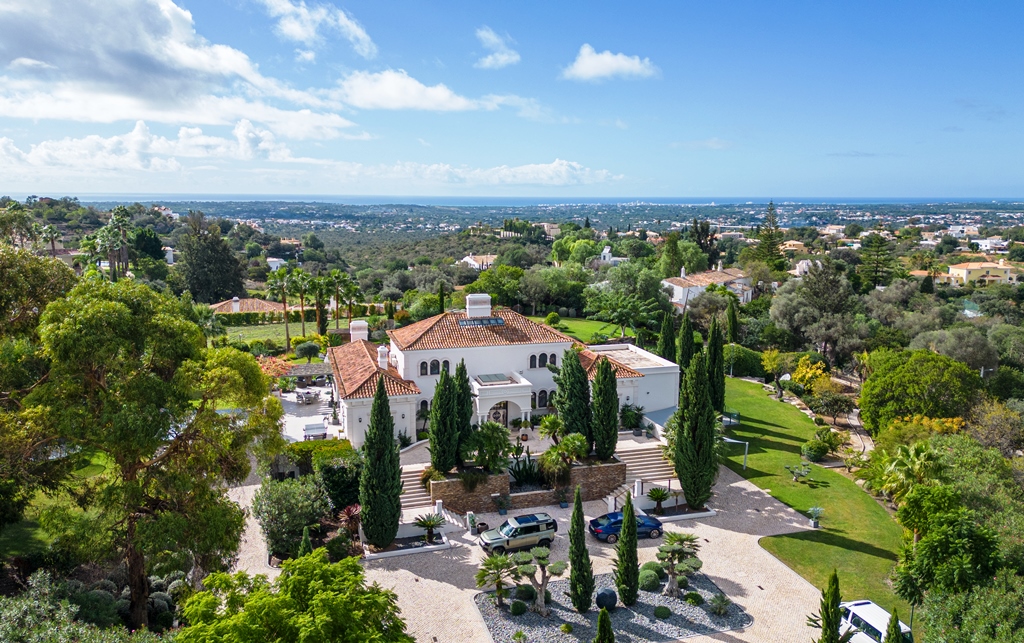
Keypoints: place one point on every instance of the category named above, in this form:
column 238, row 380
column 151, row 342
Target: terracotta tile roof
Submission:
column 977, row 265
column 356, row 371
column 588, row 360
column 707, row 278
column 248, row 306
column 444, row 332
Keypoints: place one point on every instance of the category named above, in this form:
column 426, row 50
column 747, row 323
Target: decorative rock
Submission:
column 606, row 598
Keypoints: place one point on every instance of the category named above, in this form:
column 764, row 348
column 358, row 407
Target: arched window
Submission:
column 542, row 399
column 445, row 366
column 423, row 368
column 424, row 406
column 543, row 361
column 551, row 360
column 435, row 367
column 533, row 399
column 533, row 361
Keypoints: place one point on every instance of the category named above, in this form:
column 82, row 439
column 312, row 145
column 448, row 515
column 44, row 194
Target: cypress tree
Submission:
column 444, row 432
column 893, row 631
column 306, row 546
column 606, row 410
column 732, row 322
column 715, row 350
column 829, row 618
column 627, row 566
column 463, row 403
column 604, row 628
column 667, row 339
column 581, row 573
column 695, row 461
column 573, row 397
column 686, row 345
column 440, row 294
column 380, row 484
column 928, row 285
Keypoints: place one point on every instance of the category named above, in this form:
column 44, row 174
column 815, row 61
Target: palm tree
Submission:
column 551, row 426
column 51, row 235
column 338, row 279
column 277, row 284
column 910, row 466
column 658, row 496
column 319, row 288
column 208, row 321
column 430, row 522
column 424, row 416
column 351, row 293
column 497, row 570
column 298, row 284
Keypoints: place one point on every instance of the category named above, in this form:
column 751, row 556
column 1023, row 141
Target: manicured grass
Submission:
column 857, row 536
column 276, row 331
column 583, row 329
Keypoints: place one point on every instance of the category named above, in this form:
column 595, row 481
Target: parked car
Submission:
column 608, row 526
column 869, row 622
column 520, row 532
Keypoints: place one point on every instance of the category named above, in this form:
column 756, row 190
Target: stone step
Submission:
column 413, row 494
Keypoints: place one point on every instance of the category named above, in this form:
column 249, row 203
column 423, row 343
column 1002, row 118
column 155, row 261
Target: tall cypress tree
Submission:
column 605, row 634
column 716, row 366
column 686, row 345
column 606, row 410
column 444, row 433
column 573, row 397
column 440, row 294
column 581, row 573
column 380, row 484
column 695, row 461
column 893, row 631
column 829, row 618
column 667, row 339
column 463, row 404
column 732, row 322
column 627, row 565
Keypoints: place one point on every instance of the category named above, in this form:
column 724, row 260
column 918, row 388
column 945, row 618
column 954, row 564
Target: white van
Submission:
column 869, row 621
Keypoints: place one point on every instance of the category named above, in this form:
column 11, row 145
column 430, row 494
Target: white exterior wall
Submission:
column 657, row 389
column 355, row 417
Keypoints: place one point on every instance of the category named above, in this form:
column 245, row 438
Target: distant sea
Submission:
column 513, row 201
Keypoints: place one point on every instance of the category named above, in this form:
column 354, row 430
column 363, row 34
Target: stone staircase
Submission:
column 645, row 464
column 413, row 493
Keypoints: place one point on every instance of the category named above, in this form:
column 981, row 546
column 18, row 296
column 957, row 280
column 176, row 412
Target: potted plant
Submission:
column 503, row 502
column 815, row 514
column 563, row 497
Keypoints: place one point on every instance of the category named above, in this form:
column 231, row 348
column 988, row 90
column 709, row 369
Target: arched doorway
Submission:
column 504, row 412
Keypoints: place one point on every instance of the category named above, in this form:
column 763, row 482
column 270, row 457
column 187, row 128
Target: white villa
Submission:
column 506, row 357
column 479, row 262
column 684, row 288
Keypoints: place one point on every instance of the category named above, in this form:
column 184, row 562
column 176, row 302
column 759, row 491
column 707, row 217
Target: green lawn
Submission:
column 857, row 536
column 274, row 331
column 583, row 329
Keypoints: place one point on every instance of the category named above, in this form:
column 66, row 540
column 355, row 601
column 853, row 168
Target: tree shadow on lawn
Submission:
column 833, row 538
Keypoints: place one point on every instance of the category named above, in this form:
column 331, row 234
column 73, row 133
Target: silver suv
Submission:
column 531, row 530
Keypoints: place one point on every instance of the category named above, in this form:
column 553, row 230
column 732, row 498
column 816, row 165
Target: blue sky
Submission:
column 809, row 99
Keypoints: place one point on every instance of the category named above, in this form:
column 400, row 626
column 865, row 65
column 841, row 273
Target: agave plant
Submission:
column 430, row 522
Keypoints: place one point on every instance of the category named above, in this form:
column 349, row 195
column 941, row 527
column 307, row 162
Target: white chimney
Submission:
column 478, row 305
column 359, row 331
column 1002, row 262
column 382, row 357
column 235, row 305
column 682, row 272
column 719, row 265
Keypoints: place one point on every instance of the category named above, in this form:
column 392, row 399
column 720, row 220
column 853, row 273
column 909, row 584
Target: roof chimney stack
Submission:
column 382, row 357
column 235, row 305
column 682, row 272
column 478, row 305
column 359, row 331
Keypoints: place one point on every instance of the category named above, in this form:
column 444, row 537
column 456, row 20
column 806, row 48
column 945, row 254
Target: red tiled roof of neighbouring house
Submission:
column 707, row 278
column 356, row 371
column 444, row 331
column 248, row 306
column 588, row 360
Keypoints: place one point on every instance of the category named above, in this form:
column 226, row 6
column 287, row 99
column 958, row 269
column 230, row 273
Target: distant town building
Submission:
column 168, row 255
column 479, row 262
column 607, row 258
column 981, row 272
column 793, row 246
column 275, row 263
column 685, row 288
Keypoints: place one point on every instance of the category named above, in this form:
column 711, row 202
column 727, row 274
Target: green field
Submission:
column 274, row 331
column 583, row 329
column 858, row 537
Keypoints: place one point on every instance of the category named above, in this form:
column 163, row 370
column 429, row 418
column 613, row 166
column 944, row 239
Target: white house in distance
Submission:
column 506, row 357
column 479, row 262
column 684, row 288
column 607, row 258
column 275, row 263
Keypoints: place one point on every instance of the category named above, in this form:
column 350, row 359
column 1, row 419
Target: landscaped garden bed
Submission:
column 635, row 624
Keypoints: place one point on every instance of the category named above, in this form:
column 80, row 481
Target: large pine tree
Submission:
column 876, row 260
column 667, row 339
column 444, row 432
column 581, row 572
column 695, row 461
column 716, row 366
column 573, row 397
column 687, row 347
column 769, row 240
column 627, row 565
column 463, row 403
column 380, row 484
column 606, row 410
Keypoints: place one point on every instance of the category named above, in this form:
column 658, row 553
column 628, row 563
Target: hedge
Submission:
column 743, row 362
column 307, row 454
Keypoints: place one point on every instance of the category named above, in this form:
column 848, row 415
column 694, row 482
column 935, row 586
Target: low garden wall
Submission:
column 595, row 481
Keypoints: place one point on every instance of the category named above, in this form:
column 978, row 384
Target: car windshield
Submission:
column 604, row 520
column 506, row 529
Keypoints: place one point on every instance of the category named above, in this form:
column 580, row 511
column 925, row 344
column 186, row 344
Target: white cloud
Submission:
column 395, row 89
column 558, row 173
column 591, row 65
column 501, row 54
column 156, row 69
column 305, row 55
column 303, row 23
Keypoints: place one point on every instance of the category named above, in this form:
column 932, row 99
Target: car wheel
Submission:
column 498, row 550
column 655, row 533
column 612, row 539
column 544, row 543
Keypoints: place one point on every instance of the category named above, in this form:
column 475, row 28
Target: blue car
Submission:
column 608, row 526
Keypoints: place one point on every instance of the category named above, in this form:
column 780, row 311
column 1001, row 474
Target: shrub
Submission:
column 401, row 317
column 682, row 581
column 526, row 592
column 428, row 475
column 553, row 319
column 693, row 598
column 179, row 590
column 163, row 596
column 742, row 362
column 339, row 476
column 404, row 440
column 518, row 608
column 306, row 454
column 97, row 607
column 566, row 628
column 471, row 478
column 421, row 435
column 649, row 581
column 655, row 567
column 719, row 605
column 109, row 586
column 284, row 508
column 339, row 546
column 662, row 612
column 814, row 450
column 819, row 420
